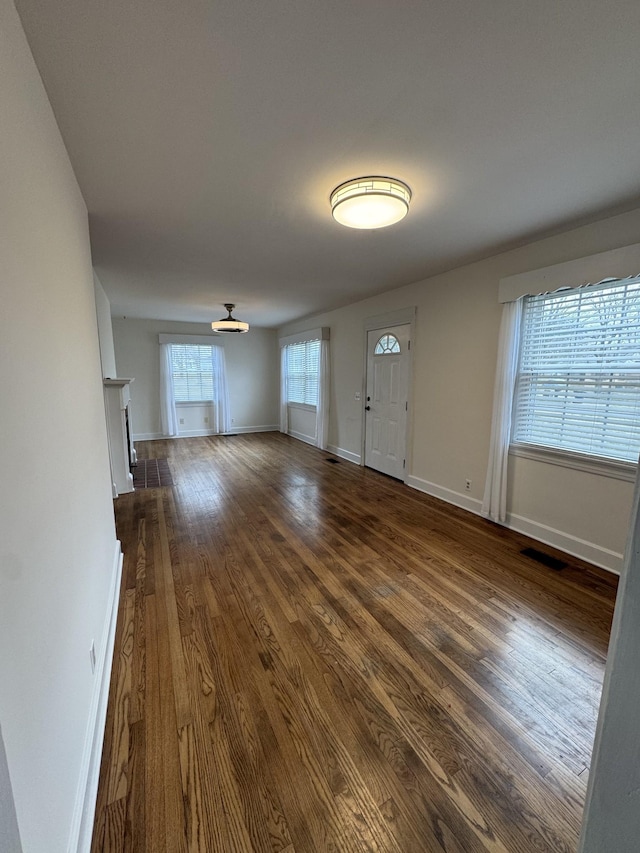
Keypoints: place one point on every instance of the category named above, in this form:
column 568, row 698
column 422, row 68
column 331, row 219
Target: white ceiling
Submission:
column 207, row 135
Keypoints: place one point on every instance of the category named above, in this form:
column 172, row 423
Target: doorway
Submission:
column 387, row 399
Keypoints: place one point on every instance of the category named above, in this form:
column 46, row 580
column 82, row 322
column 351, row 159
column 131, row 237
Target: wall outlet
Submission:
column 357, row 395
column 206, row 420
column 181, row 420
column 233, row 420
column 92, row 656
column 467, row 485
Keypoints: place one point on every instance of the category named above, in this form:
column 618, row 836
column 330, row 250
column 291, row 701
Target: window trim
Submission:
column 305, row 407
column 614, row 264
column 212, row 340
column 578, row 460
column 190, row 376
column 322, row 333
column 305, row 376
column 614, row 468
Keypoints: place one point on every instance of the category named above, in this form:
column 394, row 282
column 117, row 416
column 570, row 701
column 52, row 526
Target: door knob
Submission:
column 367, row 408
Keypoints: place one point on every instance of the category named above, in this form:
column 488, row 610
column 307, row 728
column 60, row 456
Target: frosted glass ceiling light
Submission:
column 229, row 324
column 372, row 202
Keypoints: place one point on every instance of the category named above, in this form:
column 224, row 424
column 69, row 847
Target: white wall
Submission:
column 455, row 350
column 302, row 423
column 105, row 330
column 57, row 539
column 252, row 374
column 611, row 821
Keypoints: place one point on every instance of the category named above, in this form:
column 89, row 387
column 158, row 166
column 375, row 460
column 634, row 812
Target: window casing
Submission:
column 303, row 373
column 193, row 373
column 578, row 383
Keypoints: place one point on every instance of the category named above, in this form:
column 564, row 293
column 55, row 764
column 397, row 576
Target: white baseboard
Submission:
column 234, row 429
column 308, row 439
column 85, row 806
column 194, row 433
column 588, row 551
column 344, row 454
column 156, row 436
column 448, row 495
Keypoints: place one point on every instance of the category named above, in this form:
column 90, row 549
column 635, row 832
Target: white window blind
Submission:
column 303, row 372
column 578, row 384
column 193, row 375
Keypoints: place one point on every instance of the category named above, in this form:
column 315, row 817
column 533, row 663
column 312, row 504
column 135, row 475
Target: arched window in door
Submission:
column 387, row 345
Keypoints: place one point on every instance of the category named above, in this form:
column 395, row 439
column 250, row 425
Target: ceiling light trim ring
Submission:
column 372, row 201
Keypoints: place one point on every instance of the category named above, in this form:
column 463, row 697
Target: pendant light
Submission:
column 229, row 323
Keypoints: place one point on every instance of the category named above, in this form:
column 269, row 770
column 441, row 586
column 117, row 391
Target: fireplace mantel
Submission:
column 117, row 404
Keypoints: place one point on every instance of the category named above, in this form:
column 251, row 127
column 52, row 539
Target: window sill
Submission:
column 613, row 468
column 180, row 403
column 304, row 406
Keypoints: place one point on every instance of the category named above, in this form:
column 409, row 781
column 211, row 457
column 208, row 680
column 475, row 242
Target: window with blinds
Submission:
column 303, row 372
column 578, row 383
column 192, row 369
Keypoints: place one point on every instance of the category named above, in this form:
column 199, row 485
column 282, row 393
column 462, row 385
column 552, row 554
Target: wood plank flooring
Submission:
column 313, row 657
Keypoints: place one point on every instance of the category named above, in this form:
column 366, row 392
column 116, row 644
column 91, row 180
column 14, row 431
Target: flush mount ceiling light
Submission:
column 371, row 202
column 229, row 324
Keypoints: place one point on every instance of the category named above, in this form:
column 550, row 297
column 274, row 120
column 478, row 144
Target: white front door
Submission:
column 387, row 400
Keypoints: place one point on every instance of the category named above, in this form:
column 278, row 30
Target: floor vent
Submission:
column 334, row 461
column 151, row 474
column 545, row 559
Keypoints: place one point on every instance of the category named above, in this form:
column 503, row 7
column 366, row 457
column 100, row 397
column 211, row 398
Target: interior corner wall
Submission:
column 454, row 362
column 252, row 372
column 105, row 330
column 57, row 536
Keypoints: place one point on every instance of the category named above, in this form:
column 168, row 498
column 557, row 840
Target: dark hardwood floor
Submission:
column 313, row 657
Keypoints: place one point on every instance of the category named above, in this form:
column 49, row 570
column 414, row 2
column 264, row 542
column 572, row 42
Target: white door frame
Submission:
column 400, row 317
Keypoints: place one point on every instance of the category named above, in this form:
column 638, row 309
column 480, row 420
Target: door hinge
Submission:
column 404, row 462
column 406, row 407
column 409, row 345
